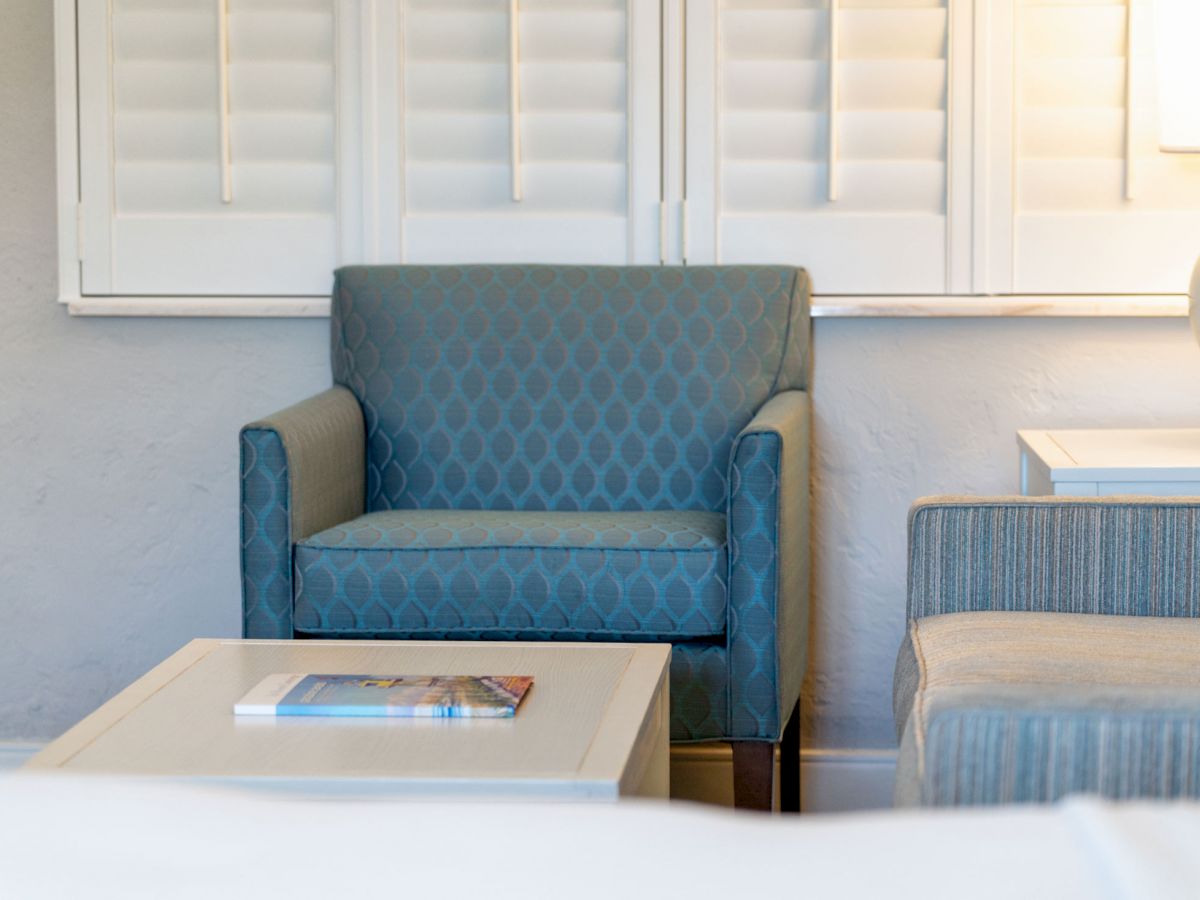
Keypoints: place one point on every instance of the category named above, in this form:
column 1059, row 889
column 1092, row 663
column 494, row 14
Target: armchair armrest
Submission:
column 1106, row 555
column 768, row 566
column 303, row 469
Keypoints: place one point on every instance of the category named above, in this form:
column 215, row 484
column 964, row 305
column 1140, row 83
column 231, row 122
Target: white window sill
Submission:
column 201, row 307
column 1022, row 306
column 825, row 307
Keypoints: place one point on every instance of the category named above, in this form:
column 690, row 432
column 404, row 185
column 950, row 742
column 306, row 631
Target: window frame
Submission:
column 979, row 247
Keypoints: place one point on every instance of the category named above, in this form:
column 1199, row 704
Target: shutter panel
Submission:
column 1075, row 230
column 588, row 131
column 151, row 132
column 769, row 176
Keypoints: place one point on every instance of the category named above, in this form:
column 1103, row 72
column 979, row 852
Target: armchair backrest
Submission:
column 562, row 387
column 1116, row 556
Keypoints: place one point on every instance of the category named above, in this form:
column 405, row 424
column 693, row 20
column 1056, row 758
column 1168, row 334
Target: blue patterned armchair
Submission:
column 557, row 453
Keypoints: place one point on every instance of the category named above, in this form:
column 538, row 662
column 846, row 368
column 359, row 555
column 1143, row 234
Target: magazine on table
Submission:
column 434, row 696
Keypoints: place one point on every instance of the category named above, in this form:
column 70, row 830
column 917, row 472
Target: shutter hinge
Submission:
column 79, row 231
column 662, row 232
column 683, row 231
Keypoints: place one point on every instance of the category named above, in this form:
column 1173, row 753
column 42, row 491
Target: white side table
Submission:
column 1160, row 462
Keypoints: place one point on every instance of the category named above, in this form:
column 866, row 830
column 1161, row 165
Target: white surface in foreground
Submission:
column 65, row 836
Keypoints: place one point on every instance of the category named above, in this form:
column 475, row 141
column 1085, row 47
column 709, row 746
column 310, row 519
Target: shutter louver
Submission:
column 886, row 231
column 577, row 134
column 1075, row 229
column 168, row 226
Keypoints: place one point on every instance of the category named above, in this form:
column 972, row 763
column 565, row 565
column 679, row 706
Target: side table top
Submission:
column 1116, row 454
column 575, row 734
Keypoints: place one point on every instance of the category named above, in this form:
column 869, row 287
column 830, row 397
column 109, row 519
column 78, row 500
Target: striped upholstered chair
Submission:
column 1053, row 647
column 558, row 453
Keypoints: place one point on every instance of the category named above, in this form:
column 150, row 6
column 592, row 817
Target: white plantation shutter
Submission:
column 763, row 194
column 588, row 91
column 153, row 216
column 1005, row 147
column 1074, row 228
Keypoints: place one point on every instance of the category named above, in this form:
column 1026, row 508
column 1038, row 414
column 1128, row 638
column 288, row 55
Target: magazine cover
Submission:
column 441, row 696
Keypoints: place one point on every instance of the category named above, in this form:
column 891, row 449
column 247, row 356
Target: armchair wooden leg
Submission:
column 753, row 774
column 789, row 764
column 754, row 770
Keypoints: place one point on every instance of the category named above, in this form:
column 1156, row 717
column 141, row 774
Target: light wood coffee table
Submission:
column 593, row 727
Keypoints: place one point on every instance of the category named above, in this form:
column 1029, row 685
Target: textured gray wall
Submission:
column 118, row 455
column 906, row 408
column 118, row 443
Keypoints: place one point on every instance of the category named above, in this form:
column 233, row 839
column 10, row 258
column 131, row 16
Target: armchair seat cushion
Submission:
column 513, row 574
column 1009, row 707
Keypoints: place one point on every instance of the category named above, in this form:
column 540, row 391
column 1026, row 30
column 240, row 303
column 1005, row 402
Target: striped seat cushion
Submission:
column 1009, row 707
